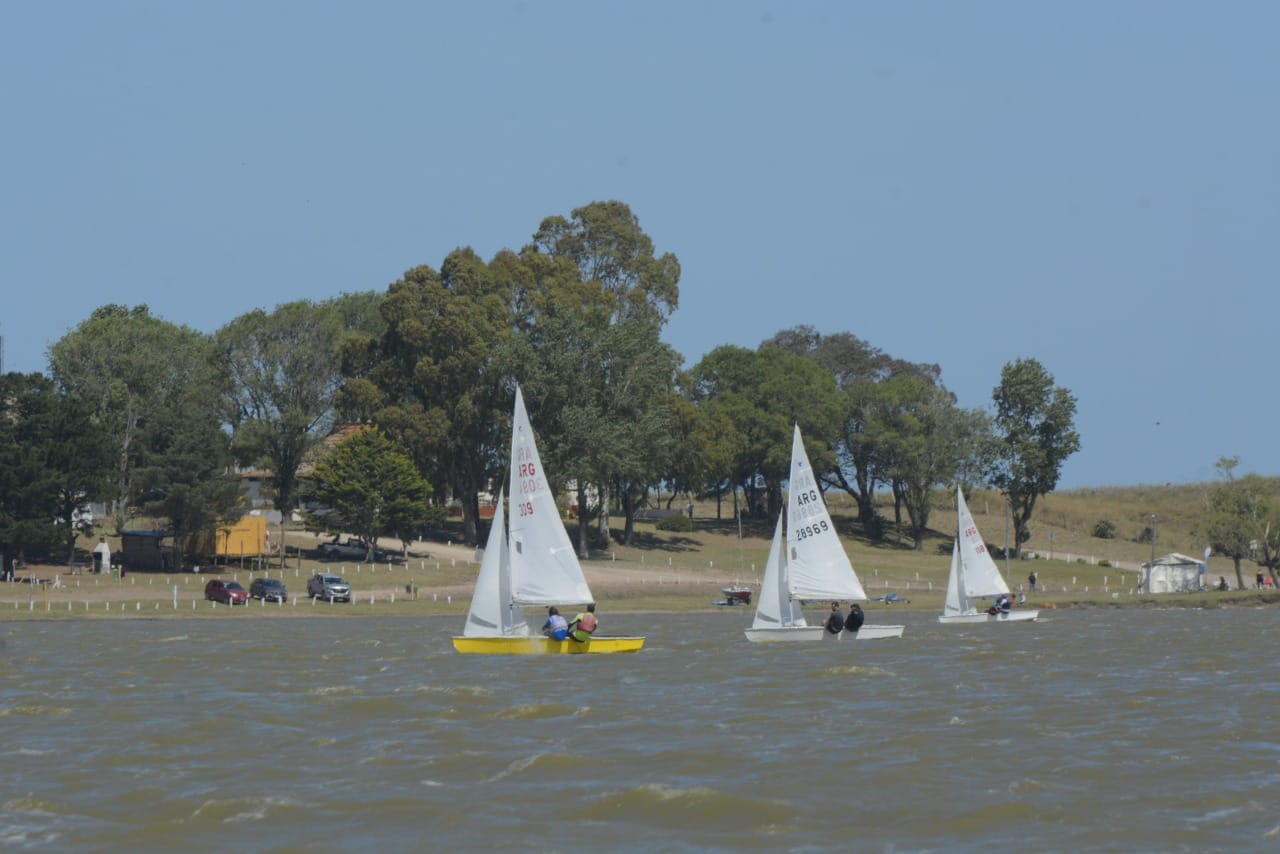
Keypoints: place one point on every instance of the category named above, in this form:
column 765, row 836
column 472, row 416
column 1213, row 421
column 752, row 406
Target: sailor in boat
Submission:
column 1003, row 605
column 555, row 627
column 835, row 620
column 581, row 627
column 853, row 622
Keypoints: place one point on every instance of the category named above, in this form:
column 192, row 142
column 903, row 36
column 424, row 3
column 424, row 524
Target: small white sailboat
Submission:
column 809, row 564
column 528, row 562
column 974, row 575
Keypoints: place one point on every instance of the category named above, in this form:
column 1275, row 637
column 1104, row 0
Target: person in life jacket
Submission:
column 582, row 626
column 555, row 627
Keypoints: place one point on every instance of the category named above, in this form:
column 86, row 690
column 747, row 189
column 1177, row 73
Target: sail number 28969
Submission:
column 806, row 531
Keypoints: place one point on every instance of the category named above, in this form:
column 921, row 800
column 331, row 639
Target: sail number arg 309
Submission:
column 971, row 533
column 531, row 483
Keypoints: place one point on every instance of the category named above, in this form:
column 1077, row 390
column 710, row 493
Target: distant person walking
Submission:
column 1031, row 579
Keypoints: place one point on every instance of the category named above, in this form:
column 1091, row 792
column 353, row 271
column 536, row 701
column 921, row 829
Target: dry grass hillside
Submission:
column 664, row 570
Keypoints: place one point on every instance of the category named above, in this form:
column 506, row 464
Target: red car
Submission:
column 227, row 592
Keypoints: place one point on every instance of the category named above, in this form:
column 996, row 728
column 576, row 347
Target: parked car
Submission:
column 227, row 592
column 353, row 549
column 268, row 590
column 331, row 587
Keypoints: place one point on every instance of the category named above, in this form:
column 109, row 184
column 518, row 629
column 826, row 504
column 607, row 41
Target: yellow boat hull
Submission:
column 545, row 646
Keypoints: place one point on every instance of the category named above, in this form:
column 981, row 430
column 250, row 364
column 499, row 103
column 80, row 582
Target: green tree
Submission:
column 437, row 381
column 594, row 278
column 32, row 464
column 285, row 371
column 130, row 366
column 183, row 470
column 1035, row 430
column 1239, row 518
column 372, row 488
column 922, row 433
column 763, row 393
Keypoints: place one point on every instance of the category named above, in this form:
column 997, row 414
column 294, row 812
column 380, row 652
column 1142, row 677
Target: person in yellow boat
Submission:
column 582, row 626
column 555, row 627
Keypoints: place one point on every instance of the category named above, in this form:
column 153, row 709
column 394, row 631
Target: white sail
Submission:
column 980, row 575
column 955, row 603
column 544, row 567
column 774, row 608
column 493, row 614
column 817, row 566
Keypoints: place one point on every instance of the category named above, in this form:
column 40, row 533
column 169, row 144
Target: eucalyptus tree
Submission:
column 702, row 448
column 763, row 393
column 132, row 367
column 437, row 381
column 1035, row 434
column 923, row 438
column 860, row 370
column 285, row 371
column 595, row 273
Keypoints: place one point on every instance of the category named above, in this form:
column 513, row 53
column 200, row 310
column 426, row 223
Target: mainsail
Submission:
column 544, row 567
column 817, row 566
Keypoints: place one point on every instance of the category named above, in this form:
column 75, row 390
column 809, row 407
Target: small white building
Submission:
column 1173, row 573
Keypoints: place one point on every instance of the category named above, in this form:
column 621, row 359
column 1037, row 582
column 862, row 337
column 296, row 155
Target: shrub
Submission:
column 1104, row 529
column 679, row 523
column 1104, row 562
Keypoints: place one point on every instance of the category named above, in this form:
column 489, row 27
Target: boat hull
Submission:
column 545, row 646
column 984, row 617
column 793, row 634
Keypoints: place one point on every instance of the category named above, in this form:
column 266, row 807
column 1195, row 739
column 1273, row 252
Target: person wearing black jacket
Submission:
column 835, row 621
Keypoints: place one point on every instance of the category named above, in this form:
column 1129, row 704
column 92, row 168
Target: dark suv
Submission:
column 268, row 590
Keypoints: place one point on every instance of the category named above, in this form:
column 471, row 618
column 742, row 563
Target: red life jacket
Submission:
column 588, row 622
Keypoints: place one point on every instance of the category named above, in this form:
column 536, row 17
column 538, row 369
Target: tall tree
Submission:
column 1036, row 433
column 183, row 470
column 35, row 463
column 130, row 366
column 597, row 271
column 372, row 488
column 922, row 433
column 764, row 393
column 437, row 381
column 285, row 371
column 1240, row 520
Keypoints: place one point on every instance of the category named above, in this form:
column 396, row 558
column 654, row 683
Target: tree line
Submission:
column 157, row 419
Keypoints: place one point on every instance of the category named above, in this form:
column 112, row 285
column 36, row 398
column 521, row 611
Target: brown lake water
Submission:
column 1100, row 730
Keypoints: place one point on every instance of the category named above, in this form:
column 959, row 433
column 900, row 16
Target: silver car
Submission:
column 331, row 587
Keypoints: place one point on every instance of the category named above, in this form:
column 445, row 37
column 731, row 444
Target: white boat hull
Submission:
column 791, row 634
column 984, row 617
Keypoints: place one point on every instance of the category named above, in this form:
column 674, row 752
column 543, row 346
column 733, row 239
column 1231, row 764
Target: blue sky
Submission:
column 1092, row 184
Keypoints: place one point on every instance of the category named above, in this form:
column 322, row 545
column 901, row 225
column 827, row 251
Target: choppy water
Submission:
column 1112, row 730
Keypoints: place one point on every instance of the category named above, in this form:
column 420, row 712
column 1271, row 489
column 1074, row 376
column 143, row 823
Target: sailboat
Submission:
column 974, row 575
column 809, row 563
column 528, row 562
